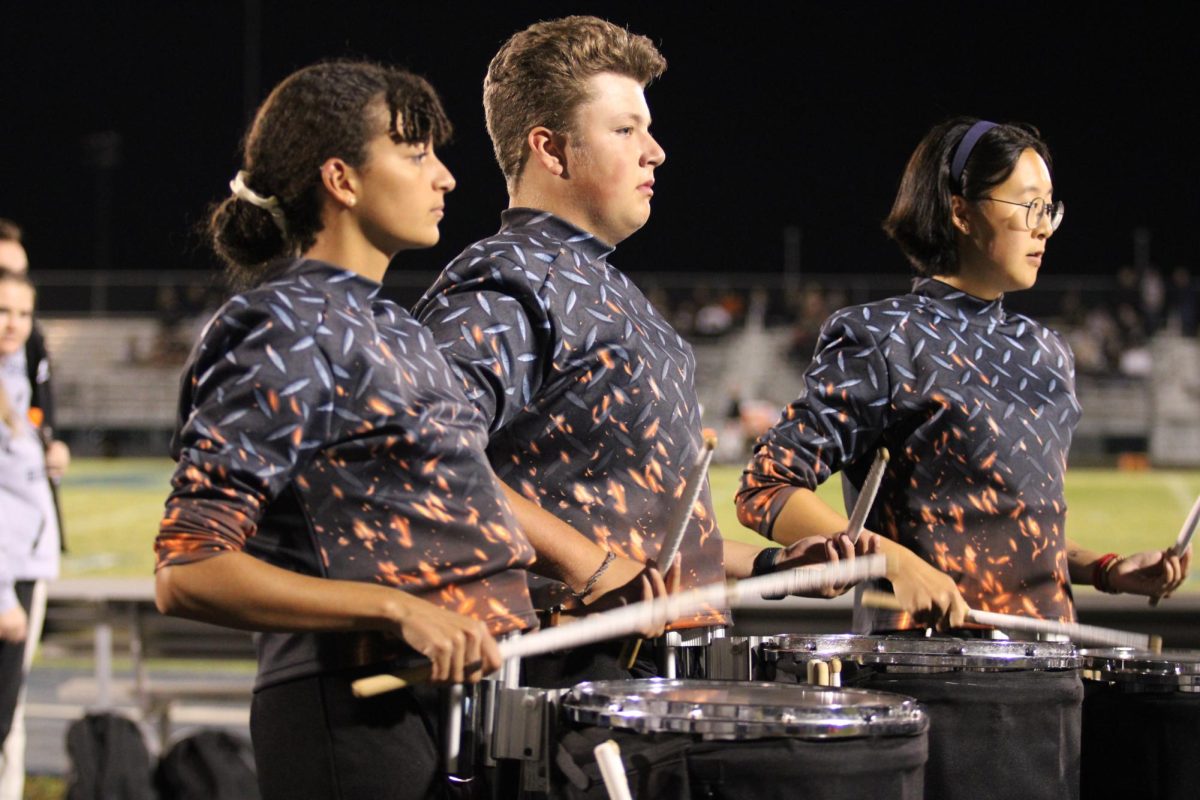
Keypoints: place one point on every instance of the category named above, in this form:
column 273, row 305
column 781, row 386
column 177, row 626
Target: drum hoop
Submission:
column 658, row 705
column 946, row 654
column 1139, row 669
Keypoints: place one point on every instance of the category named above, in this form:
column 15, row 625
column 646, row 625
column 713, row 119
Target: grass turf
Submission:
column 112, row 509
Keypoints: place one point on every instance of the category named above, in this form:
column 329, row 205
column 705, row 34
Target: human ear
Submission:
column 958, row 214
column 340, row 181
column 548, row 149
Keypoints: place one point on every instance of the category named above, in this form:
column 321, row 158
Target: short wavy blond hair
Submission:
column 539, row 78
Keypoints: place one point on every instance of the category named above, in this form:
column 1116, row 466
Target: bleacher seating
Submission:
column 100, row 379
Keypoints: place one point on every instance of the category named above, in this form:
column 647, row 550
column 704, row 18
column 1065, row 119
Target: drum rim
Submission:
column 1128, row 665
column 930, row 652
column 592, row 703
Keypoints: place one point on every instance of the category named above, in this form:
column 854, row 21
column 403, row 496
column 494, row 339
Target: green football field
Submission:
column 112, row 509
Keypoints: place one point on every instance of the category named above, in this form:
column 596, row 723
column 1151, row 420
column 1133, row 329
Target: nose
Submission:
column 444, row 179
column 1044, row 229
column 654, row 155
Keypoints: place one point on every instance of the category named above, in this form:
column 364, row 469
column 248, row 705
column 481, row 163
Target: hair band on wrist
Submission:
column 765, row 561
column 1100, row 570
column 963, row 151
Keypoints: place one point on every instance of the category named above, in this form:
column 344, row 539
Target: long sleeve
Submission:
column 490, row 321
column 840, row 413
column 260, row 399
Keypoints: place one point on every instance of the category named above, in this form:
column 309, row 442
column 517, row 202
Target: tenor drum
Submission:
column 1004, row 716
column 1141, row 722
column 720, row 739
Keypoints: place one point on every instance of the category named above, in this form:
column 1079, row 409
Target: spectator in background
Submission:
column 1181, row 312
column 37, row 360
column 29, row 541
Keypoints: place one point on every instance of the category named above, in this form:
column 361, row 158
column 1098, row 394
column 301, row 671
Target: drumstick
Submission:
column 654, row 614
column 866, row 497
column 677, row 525
column 1184, row 540
column 1187, row 531
column 1081, row 634
column 608, row 757
column 681, row 514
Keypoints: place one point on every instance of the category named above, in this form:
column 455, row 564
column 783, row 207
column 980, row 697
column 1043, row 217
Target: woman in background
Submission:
column 29, row 536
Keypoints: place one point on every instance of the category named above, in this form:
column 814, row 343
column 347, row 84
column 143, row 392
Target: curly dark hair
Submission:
column 331, row 109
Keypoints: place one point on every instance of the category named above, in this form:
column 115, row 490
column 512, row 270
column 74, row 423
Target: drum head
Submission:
column 1170, row 669
column 936, row 653
column 733, row 710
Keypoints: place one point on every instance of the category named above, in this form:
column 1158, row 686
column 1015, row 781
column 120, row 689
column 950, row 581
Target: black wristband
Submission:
column 765, row 561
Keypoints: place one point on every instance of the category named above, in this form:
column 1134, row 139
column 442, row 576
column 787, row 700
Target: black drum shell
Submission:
column 995, row 733
column 1140, row 731
column 679, row 766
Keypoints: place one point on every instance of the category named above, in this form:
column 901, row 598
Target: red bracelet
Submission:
column 1100, row 572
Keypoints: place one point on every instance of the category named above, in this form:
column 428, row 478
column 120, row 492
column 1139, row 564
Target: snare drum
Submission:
column 1004, row 716
column 1141, row 722
column 720, row 739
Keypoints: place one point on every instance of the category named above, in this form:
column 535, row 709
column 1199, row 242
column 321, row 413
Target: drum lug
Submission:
column 525, row 731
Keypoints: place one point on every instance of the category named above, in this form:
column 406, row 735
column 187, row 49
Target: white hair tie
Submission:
column 269, row 204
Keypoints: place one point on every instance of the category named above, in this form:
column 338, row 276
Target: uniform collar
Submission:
column 550, row 226
column 958, row 304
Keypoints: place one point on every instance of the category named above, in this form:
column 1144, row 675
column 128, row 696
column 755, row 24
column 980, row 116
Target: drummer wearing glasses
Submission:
column 975, row 404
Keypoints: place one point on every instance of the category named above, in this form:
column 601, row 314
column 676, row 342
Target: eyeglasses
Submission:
column 1036, row 210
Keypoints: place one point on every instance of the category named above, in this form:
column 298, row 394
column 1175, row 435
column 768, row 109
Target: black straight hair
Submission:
column 921, row 221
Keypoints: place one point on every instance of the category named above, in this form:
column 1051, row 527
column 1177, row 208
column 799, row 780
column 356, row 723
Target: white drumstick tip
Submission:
column 608, row 757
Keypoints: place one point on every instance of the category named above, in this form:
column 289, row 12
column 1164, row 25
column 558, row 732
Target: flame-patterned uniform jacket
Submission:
column 977, row 408
column 588, row 390
column 322, row 432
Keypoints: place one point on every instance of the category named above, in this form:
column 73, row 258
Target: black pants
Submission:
column 12, row 658
column 312, row 738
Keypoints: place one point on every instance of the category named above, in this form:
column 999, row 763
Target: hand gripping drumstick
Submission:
column 1080, row 634
column 1184, row 540
column 654, row 613
column 608, row 757
column 677, row 525
column 866, row 497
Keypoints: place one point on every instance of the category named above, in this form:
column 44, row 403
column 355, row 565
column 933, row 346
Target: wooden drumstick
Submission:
column 1081, row 634
column 656, row 613
column 677, row 525
column 866, row 497
column 608, row 757
column 820, row 673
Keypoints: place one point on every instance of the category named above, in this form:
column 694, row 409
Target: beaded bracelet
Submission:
column 1100, row 576
column 609, row 557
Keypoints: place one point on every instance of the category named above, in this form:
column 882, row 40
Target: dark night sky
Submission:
column 769, row 117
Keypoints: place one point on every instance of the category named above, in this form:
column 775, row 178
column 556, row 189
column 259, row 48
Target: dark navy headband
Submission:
column 963, row 151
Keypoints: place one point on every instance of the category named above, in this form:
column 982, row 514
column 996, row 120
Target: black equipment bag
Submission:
column 209, row 765
column 655, row 764
column 109, row 760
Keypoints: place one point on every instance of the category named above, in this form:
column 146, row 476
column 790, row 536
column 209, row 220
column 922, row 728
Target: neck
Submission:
column 529, row 195
column 976, row 286
column 342, row 244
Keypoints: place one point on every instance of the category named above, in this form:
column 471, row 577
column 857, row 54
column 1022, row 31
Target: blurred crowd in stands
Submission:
column 1109, row 327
